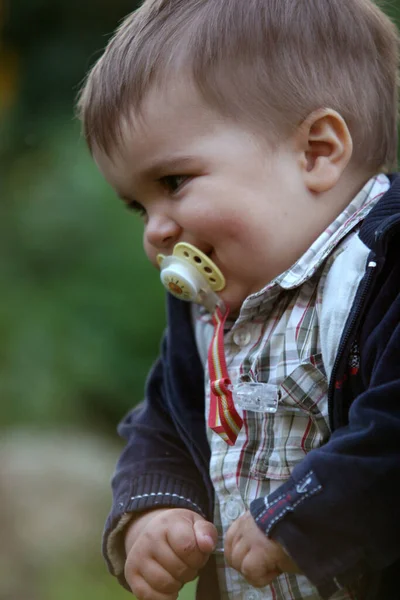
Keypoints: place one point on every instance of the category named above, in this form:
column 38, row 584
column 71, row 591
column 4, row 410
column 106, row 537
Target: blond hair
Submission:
column 267, row 62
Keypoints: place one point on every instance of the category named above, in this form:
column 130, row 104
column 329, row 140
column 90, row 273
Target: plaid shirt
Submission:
column 277, row 339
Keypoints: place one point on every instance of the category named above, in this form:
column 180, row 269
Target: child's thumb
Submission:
column 206, row 535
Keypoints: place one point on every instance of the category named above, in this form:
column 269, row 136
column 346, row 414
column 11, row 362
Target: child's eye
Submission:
column 172, row 183
column 136, row 207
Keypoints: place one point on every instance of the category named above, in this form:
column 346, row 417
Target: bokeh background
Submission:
column 81, row 312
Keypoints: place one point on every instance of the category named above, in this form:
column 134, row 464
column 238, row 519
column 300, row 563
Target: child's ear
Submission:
column 326, row 149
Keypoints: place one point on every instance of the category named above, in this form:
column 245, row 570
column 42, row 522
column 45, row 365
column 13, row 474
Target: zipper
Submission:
column 382, row 237
column 349, row 329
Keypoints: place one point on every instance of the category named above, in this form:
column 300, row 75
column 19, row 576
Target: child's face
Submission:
column 200, row 179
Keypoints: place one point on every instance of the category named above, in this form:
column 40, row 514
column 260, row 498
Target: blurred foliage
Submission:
column 81, row 311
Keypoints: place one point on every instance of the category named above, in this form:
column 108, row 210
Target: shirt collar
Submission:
column 305, row 267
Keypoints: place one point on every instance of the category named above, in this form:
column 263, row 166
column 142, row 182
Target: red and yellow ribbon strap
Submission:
column 223, row 417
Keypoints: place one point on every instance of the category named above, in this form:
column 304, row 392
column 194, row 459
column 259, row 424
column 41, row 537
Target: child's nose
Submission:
column 162, row 232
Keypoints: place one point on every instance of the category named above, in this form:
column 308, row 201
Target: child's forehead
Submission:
column 167, row 121
column 170, row 105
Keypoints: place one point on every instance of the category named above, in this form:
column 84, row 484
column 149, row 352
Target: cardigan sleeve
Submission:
column 160, row 466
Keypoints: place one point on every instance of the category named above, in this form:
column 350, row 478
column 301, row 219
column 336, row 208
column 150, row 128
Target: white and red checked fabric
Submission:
column 276, row 339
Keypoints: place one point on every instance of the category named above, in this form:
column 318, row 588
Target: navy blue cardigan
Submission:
column 338, row 514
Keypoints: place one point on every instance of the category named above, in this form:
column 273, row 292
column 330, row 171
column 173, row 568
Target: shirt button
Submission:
column 233, row 509
column 241, row 337
column 252, row 595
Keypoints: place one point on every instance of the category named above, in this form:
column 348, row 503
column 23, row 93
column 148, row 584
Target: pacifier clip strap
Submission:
column 223, row 417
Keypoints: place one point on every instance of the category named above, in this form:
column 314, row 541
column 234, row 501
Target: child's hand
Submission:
column 165, row 548
column 258, row 558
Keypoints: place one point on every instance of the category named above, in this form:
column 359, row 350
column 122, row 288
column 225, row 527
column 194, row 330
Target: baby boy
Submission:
column 255, row 137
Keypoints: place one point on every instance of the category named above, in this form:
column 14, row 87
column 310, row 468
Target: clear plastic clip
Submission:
column 257, row 397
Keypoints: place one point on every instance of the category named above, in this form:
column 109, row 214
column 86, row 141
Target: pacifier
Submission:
column 190, row 275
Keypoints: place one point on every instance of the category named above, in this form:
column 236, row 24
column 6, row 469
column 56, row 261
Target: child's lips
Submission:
column 210, row 252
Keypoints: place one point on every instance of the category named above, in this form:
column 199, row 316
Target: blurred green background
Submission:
column 81, row 312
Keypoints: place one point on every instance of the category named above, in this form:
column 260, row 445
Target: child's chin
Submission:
column 233, row 301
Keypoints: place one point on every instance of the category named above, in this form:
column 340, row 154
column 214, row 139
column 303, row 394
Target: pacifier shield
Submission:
column 202, row 263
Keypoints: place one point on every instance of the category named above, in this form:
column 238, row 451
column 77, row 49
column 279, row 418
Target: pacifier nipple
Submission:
column 191, row 275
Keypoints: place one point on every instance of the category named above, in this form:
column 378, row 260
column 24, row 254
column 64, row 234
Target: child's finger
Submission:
column 172, row 563
column 159, row 578
column 182, row 540
column 257, row 572
column 206, row 536
column 142, row 589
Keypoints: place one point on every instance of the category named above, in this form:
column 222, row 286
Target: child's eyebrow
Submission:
column 157, row 169
column 164, row 166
